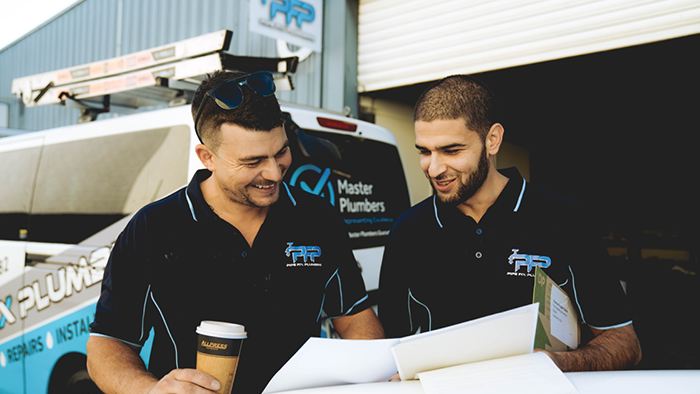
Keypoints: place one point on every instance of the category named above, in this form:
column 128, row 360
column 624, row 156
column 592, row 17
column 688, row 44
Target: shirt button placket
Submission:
column 478, row 254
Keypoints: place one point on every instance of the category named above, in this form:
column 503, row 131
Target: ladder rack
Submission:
column 165, row 74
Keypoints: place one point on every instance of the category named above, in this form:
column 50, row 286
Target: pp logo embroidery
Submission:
column 306, row 253
column 528, row 260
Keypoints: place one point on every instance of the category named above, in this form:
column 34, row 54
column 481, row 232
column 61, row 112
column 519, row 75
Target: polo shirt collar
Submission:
column 199, row 209
column 510, row 200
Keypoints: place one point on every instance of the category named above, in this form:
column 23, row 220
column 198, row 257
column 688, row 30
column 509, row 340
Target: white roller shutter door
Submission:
column 403, row 42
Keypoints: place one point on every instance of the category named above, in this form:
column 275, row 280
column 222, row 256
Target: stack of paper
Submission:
column 501, row 335
column 493, row 351
column 330, row 362
column 532, row 373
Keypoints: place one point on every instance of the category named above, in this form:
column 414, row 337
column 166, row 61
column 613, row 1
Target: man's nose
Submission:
column 436, row 166
column 273, row 170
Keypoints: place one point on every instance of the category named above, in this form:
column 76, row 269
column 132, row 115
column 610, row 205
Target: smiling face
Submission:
column 249, row 165
column 453, row 158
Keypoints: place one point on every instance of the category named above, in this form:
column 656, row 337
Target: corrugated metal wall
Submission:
column 100, row 29
column 412, row 41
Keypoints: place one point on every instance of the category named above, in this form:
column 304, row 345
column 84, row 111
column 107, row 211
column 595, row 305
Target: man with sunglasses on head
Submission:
column 470, row 250
column 236, row 245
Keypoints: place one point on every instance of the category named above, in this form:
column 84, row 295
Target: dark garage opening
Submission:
column 618, row 133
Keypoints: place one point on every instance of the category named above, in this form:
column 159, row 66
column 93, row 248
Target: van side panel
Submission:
column 66, row 203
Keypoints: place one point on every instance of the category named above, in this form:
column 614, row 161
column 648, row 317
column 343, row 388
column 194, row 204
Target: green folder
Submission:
column 558, row 328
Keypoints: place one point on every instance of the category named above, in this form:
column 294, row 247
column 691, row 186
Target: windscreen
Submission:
column 362, row 178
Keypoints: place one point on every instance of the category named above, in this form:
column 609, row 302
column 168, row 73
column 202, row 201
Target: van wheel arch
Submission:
column 70, row 376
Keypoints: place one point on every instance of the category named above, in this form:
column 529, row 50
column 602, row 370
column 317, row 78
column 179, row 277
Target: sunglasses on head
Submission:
column 229, row 95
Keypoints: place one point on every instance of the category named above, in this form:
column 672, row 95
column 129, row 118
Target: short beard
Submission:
column 244, row 198
column 474, row 183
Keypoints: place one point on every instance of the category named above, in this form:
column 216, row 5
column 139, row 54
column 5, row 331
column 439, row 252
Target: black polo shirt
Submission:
column 177, row 263
column 441, row 267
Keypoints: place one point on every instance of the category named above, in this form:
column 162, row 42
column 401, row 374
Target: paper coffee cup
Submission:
column 218, row 348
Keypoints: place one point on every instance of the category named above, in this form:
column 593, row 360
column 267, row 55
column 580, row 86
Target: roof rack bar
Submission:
column 192, row 47
column 163, row 75
column 125, row 82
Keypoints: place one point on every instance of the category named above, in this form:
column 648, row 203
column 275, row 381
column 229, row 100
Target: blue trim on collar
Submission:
column 436, row 211
column 520, row 198
column 189, row 202
column 289, row 193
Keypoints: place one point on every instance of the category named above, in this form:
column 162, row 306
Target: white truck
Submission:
column 67, row 193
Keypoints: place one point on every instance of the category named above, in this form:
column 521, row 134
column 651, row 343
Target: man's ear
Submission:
column 206, row 156
column 494, row 139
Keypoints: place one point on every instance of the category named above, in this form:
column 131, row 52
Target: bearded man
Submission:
column 447, row 260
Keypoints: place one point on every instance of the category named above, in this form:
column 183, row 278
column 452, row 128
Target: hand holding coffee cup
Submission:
column 218, row 348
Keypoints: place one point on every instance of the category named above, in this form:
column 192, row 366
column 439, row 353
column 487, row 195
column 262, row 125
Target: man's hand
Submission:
column 613, row 349
column 117, row 368
column 190, row 381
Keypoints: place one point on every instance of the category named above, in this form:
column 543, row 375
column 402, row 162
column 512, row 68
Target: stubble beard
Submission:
column 466, row 190
column 243, row 197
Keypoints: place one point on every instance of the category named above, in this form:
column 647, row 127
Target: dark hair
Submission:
column 459, row 97
column 255, row 112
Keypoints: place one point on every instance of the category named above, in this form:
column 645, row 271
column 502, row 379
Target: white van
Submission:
column 66, row 194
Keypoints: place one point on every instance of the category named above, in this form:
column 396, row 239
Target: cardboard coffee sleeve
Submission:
column 218, row 349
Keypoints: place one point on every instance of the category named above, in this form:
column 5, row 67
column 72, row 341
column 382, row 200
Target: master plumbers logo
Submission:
column 352, row 197
column 320, row 186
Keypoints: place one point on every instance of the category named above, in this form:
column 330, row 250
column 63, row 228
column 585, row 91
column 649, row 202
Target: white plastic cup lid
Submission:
column 221, row 329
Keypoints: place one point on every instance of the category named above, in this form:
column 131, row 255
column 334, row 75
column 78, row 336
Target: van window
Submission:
column 82, row 186
column 362, row 178
column 16, row 187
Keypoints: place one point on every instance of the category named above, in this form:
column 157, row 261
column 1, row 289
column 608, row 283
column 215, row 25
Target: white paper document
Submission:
column 329, row 362
column 504, row 334
column 563, row 321
column 533, row 373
